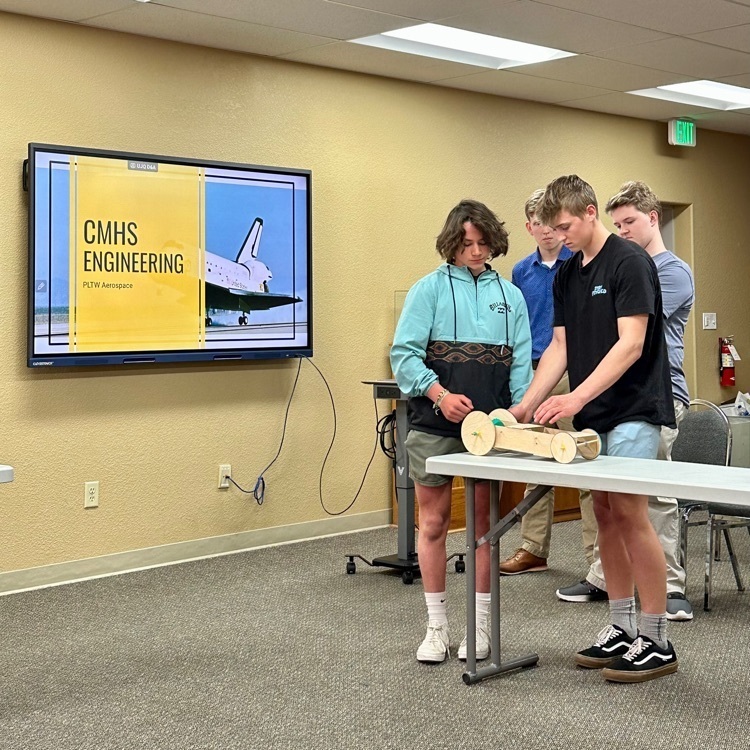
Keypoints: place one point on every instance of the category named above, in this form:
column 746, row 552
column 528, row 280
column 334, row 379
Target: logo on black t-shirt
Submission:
column 598, row 289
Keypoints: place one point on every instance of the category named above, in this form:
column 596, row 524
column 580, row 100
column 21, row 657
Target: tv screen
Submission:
column 139, row 258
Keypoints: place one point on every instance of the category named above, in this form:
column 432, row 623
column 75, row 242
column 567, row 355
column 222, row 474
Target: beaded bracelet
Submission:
column 439, row 400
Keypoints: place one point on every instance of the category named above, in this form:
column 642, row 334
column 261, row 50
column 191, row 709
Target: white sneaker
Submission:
column 435, row 646
column 482, row 641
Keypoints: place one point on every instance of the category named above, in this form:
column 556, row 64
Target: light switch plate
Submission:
column 709, row 321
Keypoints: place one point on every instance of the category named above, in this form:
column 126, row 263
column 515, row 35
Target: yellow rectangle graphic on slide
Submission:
column 136, row 265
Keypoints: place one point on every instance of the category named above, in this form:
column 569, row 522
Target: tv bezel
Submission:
column 166, row 356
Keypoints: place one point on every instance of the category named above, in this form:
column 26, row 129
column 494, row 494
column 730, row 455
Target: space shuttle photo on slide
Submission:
column 241, row 285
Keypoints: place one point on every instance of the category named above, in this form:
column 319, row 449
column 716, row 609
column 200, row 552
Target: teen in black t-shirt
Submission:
column 608, row 332
column 620, row 281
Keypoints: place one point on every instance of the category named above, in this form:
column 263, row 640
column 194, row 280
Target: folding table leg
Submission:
column 495, row 646
column 709, row 563
column 497, row 529
column 733, row 560
column 471, row 582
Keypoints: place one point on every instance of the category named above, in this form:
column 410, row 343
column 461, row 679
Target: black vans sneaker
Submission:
column 644, row 661
column 611, row 643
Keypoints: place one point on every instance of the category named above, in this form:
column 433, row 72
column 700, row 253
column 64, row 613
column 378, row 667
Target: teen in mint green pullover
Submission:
column 468, row 333
column 462, row 343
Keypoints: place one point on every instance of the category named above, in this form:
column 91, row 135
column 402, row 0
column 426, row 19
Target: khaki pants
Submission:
column 536, row 525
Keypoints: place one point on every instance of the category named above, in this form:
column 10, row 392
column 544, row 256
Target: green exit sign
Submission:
column 681, row 133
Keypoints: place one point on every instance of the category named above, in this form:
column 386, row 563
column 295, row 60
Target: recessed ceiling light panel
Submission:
column 709, row 94
column 458, row 45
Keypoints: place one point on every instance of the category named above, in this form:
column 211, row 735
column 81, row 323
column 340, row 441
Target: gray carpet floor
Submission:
column 279, row 648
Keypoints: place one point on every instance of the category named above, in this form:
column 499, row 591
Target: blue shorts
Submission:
column 632, row 439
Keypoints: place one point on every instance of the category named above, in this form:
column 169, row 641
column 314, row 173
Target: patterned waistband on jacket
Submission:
column 461, row 351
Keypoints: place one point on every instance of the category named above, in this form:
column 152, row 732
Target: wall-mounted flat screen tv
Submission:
column 137, row 258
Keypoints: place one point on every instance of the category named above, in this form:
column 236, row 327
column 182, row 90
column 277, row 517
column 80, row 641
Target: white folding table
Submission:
column 700, row 482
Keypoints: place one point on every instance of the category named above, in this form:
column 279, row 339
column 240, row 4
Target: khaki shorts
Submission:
column 422, row 445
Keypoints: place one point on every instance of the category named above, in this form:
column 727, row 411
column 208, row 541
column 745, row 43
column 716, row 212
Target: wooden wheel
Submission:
column 591, row 448
column 478, row 433
column 504, row 416
column 563, row 447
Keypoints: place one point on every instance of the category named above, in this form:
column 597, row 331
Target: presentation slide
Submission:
column 134, row 278
column 141, row 255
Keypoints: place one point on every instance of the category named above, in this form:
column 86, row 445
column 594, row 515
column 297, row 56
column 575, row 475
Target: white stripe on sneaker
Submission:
column 652, row 655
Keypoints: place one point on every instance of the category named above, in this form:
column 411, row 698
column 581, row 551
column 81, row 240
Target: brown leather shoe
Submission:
column 522, row 562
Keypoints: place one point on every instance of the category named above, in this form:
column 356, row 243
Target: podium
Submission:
column 405, row 559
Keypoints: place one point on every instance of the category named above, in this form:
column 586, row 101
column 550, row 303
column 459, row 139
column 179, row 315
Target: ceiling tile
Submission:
column 424, row 10
column 737, row 37
column 532, row 22
column 732, row 122
column 630, row 105
column 195, row 28
column 518, row 86
column 630, row 44
column 380, row 62
column 653, row 109
column 316, row 17
column 601, row 72
column 686, row 56
column 680, row 17
column 67, row 10
column 741, row 80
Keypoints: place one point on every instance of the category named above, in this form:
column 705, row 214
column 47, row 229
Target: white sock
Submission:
column 483, row 607
column 437, row 609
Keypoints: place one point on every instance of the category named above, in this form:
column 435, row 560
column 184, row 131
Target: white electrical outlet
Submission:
column 91, row 494
column 225, row 471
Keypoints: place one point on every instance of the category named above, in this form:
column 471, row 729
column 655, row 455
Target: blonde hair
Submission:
column 568, row 193
column 637, row 194
column 532, row 202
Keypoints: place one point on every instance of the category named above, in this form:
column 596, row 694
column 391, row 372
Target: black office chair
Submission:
column 705, row 437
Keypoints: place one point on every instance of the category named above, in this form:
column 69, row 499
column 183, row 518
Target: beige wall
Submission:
column 389, row 159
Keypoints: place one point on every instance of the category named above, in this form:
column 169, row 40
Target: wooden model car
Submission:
column 499, row 429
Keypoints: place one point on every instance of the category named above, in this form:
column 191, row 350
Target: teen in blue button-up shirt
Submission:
column 534, row 276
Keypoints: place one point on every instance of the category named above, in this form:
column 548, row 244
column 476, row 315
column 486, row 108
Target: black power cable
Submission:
column 386, row 429
column 384, row 436
column 330, row 447
column 259, row 491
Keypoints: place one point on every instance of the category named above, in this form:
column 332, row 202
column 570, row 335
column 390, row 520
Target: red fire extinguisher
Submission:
column 726, row 361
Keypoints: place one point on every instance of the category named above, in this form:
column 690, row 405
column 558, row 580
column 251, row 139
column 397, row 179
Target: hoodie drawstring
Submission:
column 455, row 309
column 455, row 313
column 507, row 312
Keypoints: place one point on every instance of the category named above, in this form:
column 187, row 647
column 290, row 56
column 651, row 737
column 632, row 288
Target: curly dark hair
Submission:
column 493, row 230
